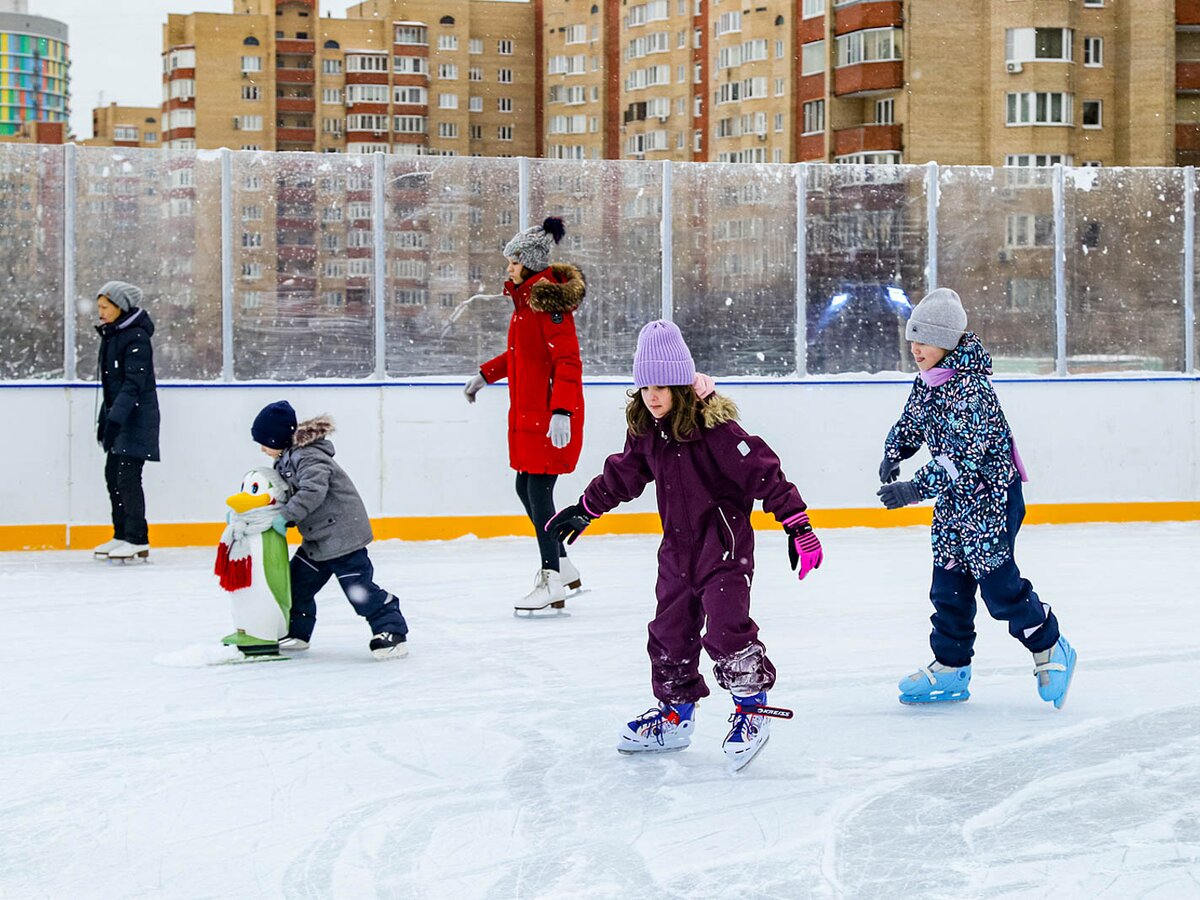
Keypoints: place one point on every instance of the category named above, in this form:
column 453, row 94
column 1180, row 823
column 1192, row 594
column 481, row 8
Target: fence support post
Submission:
column 931, row 225
column 226, row 264
column 1060, row 272
column 522, row 193
column 1189, row 269
column 801, row 269
column 665, row 236
column 379, row 236
column 69, row 311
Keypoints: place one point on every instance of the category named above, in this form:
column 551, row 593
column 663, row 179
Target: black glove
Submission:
column 569, row 522
column 110, row 434
column 889, row 470
column 895, row 496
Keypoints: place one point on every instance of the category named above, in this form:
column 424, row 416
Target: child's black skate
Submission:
column 387, row 645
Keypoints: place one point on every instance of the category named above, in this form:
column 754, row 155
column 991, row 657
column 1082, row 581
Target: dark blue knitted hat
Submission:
column 275, row 425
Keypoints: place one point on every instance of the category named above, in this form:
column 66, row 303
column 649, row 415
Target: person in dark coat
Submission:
column 128, row 423
column 325, row 505
column 974, row 477
column 708, row 472
column 545, row 388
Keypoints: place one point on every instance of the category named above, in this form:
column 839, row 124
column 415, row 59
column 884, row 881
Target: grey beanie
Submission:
column 122, row 295
column 938, row 320
column 531, row 247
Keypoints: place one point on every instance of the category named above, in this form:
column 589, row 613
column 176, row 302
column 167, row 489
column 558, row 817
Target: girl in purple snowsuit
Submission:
column 708, row 472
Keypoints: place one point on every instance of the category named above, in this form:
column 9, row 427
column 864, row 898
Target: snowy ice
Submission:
column 483, row 765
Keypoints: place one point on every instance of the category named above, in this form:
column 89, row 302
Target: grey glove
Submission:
column 889, row 470
column 474, row 386
column 895, row 496
column 560, row 430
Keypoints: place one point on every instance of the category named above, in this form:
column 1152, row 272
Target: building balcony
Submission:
column 290, row 252
column 865, row 138
column 295, row 135
column 366, row 78
column 1187, row 137
column 1187, row 76
column 306, row 48
column 296, row 105
column 1187, row 14
column 868, row 78
column 295, row 76
column 868, row 15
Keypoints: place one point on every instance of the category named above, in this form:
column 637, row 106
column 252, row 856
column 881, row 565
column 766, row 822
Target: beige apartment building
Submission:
column 126, row 126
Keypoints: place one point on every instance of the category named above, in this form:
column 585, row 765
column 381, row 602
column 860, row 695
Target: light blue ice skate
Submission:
column 1054, row 668
column 936, row 683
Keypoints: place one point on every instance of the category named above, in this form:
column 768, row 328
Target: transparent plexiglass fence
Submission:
column 291, row 266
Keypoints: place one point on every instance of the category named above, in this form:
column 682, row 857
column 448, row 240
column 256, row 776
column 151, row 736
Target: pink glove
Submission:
column 803, row 546
column 703, row 385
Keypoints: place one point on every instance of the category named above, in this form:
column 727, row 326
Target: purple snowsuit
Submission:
column 706, row 486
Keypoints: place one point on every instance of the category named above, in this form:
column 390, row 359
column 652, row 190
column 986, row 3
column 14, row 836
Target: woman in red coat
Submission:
column 545, row 390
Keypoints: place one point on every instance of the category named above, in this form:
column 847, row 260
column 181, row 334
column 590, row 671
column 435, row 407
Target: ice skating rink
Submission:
column 483, row 764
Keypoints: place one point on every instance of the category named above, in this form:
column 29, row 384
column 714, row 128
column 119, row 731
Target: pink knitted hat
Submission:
column 662, row 357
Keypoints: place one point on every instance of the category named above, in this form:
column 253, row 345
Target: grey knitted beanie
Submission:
column 938, row 320
column 121, row 294
column 531, row 247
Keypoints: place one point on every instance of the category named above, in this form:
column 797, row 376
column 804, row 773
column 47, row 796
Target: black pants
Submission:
column 123, row 476
column 537, row 496
column 356, row 576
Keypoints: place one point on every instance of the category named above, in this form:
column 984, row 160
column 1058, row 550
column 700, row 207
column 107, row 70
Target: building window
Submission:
column 332, row 45
column 1093, row 51
column 411, row 65
column 1037, row 159
column 812, row 58
column 779, row 121
column 365, row 63
column 411, row 34
column 1093, row 113
column 252, row 271
column 1040, row 108
column 248, row 123
column 477, row 132
column 252, row 213
column 366, row 93
column 504, row 48
column 331, row 67
column 475, row 105
column 331, row 95
column 251, row 41
column 1092, row 164
column 504, row 133
column 1044, row 44
column 1027, row 230
column 251, row 63
column 448, row 71
column 868, row 45
column 814, row 8
column 447, row 42
column 814, row 117
column 447, row 129
column 251, row 239
column 1093, row 2
column 475, row 73
column 876, row 158
column 411, row 96
column 504, row 76
column 366, row 122
column 332, row 126
column 504, row 104
column 729, row 22
column 125, row 133
column 409, row 124
column 150, row 137
column 780, row 86
column 476, row 46
column 251, row 92
column 447, row 101
column 885, row 112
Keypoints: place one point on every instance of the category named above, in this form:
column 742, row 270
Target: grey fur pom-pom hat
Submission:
column 938, row 320
column 531, row 247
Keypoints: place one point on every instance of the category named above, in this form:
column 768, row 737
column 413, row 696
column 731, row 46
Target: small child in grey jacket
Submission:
column 327, row 509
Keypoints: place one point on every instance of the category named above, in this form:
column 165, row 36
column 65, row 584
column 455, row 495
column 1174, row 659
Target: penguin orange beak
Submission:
column 243, row 502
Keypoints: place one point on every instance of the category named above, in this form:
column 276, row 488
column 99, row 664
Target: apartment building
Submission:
column 448, row 78
column 126, row 126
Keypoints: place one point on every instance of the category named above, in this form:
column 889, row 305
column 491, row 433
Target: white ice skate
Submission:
column 547, row 591
column 570, row 575
column 107, row 547
column 749, row 732
column 126, row 552
column 660, row 729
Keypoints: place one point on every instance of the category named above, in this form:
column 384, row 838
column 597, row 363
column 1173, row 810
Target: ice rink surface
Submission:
column 483, row 765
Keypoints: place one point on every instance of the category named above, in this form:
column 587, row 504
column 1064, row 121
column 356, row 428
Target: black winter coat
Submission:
column 127, row 378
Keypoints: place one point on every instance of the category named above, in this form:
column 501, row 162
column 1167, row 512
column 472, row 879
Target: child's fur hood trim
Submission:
column 554, row 297
column 312, row 430
column 719, row 409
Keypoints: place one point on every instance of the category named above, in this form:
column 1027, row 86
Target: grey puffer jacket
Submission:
column 324, row 503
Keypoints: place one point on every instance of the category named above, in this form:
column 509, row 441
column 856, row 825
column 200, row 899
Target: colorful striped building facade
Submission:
column 34, row 71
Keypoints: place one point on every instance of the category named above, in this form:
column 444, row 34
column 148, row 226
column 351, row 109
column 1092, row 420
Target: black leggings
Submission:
column 537, row 496
column 123, row 476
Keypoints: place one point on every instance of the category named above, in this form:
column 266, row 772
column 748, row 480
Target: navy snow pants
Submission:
column 355, row 575
column 1007, row 595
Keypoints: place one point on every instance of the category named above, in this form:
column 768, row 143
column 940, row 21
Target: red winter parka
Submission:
column 543, row 369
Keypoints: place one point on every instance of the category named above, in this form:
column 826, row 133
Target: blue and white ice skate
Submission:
column 749, row 732
column 936, row 683
column 1054, row 668
column 660, row 729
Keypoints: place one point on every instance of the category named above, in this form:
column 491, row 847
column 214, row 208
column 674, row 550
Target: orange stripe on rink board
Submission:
column 434, row 528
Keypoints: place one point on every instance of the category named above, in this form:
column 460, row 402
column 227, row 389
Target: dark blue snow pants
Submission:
column 1007, row 595
column 356, row 575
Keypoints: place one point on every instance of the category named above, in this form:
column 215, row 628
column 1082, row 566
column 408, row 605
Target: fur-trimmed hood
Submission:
column 312, row 430
column 717, row 410
column 561, row 294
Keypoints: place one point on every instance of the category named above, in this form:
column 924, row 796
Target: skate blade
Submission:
column 540, row 612
column 642, row 751
column 739, row 762
column 391, row 653
column 934, row 701
column 256, row 658
column 139, row 559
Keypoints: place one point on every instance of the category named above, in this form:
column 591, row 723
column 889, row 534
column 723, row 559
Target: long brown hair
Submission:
column 684, row 418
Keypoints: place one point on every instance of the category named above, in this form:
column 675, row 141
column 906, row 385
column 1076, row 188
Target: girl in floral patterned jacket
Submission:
column 975, row 480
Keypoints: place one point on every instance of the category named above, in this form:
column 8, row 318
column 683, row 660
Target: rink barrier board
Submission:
column 443, row 528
